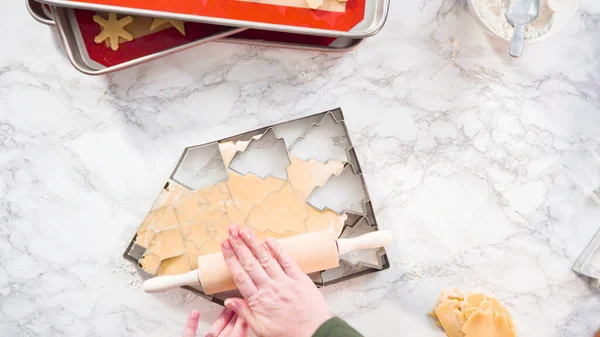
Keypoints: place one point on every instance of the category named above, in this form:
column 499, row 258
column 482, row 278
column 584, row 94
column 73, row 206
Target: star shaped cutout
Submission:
column 113, row 29
column 179, row 25
column 216, row 199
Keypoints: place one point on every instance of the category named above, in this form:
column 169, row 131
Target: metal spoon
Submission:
column 519, row 14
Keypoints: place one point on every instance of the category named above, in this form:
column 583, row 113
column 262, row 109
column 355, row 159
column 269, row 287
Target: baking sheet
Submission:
column 39, row 13
column 360, row 18
column 77, row 31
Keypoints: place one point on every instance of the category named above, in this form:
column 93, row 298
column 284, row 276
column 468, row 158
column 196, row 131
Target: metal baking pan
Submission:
column 87, row 62
column 587, row 264
column 359, row 19
column 39, row 12
column 79, row 55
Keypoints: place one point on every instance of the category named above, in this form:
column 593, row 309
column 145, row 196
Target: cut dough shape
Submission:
column 217, row 231
column 113, row 29
column 314, row 4
column 175, row 265
column 171, row 194
column 150, row 263
column 229, row 149
column 284, row 210
column 234, row 214
column 264, row 157
column 474, row 315
column 161, row 219
column 321, row 220
column 304, row 176
column 144, row 237
column 249, row 190
column 192, row 252
column 158, row 22
column 198, row 234
column 216, row 198
column 168, row 243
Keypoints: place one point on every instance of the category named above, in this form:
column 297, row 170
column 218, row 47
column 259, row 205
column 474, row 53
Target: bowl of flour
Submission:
column 554, row 16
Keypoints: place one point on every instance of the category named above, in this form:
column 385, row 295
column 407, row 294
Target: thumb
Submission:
column 242, row 310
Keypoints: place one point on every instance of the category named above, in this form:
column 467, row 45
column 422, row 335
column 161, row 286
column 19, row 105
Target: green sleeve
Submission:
column 336, row 327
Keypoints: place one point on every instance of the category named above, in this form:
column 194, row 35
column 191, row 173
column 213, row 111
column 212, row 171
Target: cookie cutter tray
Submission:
column 587, row 264
column 356, row 223
column 360, row 19
column 77, row 52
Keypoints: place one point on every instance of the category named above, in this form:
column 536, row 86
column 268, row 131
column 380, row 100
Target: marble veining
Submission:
column 483, row 166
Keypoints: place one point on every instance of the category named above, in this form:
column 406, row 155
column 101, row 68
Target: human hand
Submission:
column 279, row 299
column 226, row 325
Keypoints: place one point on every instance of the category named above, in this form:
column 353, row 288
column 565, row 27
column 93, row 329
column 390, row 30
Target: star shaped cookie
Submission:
column 179, row 25
column 113, row 29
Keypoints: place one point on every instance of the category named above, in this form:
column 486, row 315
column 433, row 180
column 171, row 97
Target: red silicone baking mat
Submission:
column 332, row 15
column 171, row 37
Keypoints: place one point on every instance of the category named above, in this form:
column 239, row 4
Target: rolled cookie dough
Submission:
column 473, row 315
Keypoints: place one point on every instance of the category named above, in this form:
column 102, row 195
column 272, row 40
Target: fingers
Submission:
column 240, row 329
column 265, row 258
column 229, row 328
column 247, row 259
column 242, row 310
column 291, row 268
column 192, row 324
column 237, row 272
column 220, row 323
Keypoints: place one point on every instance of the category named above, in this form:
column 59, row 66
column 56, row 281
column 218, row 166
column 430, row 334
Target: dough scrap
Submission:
column 285, row 206
column 113, row 29
column 320, row 220
column 305, row 176
column 168, row 243
column 314, row 4
column 150, row 263
column 474, row 315
column 175, row 265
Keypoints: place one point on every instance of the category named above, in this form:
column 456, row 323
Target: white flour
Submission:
column 491, row 13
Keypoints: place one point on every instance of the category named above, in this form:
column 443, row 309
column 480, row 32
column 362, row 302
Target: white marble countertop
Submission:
column 480, row 164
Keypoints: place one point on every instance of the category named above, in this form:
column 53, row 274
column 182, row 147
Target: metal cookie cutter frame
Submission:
column 584, row 259
column 346, row 270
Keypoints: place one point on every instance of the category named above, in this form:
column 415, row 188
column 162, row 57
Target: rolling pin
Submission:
column 314, row 251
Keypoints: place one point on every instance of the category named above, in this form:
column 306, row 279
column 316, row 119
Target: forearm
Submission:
column 336, row 327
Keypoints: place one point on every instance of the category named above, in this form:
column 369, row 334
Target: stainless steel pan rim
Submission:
column 381, row 12
column 76, row 59
column 38, row 12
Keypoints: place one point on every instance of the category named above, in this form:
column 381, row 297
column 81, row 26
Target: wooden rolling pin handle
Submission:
column 372, row 240
column 164, row 283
